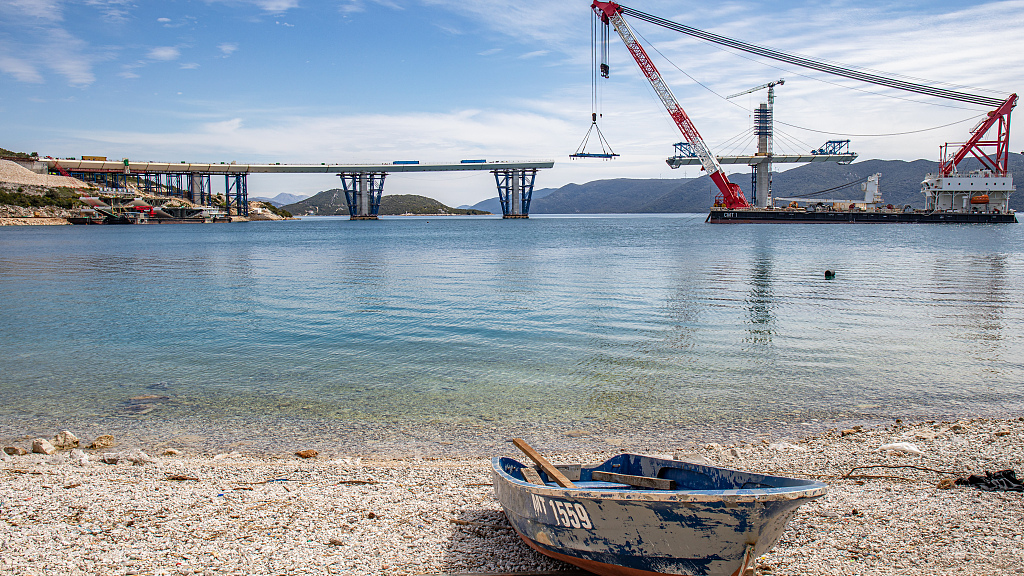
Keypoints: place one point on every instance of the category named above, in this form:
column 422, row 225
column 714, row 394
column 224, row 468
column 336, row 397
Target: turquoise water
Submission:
column 346, row 331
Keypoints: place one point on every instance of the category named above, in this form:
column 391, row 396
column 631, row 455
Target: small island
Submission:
column 332, row 203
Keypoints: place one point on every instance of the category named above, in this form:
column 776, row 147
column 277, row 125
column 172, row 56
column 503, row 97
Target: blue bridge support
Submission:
column 362, row 193
column 515, row 191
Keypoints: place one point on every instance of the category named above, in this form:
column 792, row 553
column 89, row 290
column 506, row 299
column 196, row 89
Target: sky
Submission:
column 373, row 81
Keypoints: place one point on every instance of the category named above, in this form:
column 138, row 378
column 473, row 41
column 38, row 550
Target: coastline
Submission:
column 345, row 514
column 34, row 221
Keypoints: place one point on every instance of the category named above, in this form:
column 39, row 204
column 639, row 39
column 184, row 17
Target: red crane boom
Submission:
column 732, row 195
column 998, row 161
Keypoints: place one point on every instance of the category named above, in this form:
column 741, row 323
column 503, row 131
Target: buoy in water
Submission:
column 829, row 274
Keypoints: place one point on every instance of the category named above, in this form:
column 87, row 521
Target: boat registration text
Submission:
column 568, row 514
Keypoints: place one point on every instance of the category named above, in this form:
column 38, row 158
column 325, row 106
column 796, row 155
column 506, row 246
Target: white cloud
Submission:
column 189, row 65
column 347, row 7
column 42, row 44
column 22, row 70
column 165, row 53
column 163, row 20
column 351, row 7
column 115, row 11
column 41, row 9
column 227, row 48
column 557, row 25
column 490, row 52
column 271, row 6
column 276, row 5
column 68, row 56
column 535, row 54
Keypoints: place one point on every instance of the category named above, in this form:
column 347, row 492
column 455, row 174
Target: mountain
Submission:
column 900, row 184
column 493, row 206
column 332, row 202
column 282, row 199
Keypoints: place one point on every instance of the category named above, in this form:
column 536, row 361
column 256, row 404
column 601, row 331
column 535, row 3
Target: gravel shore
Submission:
column 235, row 514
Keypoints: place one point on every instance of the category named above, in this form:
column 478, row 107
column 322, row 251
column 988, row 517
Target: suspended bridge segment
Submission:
column 363, row 183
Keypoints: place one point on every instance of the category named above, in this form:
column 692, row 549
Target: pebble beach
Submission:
column 119, row 510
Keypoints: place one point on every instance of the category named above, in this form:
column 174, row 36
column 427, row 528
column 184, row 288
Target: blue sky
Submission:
column 380, row 80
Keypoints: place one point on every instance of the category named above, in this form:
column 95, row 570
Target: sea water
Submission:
column 408, row 329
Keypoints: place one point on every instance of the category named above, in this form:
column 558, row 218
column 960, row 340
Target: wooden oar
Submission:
column 546, row 466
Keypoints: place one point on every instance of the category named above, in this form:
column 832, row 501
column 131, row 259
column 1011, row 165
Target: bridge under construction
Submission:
column 363, row 183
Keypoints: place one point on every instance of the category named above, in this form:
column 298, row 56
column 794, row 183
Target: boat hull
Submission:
column 712, row 527
column 789, row 216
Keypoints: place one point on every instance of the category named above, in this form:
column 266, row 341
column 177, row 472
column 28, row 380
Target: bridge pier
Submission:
column 237, row 183
column 515, row 191
column 199, row 189
column 362, row 193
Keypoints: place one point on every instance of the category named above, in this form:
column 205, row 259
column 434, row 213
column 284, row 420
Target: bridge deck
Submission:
column 167, row 167
column 677, row 161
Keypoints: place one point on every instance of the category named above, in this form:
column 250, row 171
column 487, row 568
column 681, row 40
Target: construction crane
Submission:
column 946, row 190
column 764, row 119
column 771, row 90
column 993, row 154
column 731, row 194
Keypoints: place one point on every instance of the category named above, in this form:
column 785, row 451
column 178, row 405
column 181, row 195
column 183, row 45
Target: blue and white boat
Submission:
column 637, row 515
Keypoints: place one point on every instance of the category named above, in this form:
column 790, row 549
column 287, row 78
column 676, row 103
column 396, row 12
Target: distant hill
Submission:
column 331, row 202
column 413, row 204
column 900, row 183
column 281, row 199
column 12, row 154
column 493, row 206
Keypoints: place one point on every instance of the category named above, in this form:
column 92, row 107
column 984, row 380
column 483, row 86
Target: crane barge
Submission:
column 951, row 196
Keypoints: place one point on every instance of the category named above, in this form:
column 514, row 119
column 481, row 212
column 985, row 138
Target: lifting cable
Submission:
column 776, row 121
column 889, row 134
column 816, row 65
column 832, row 189
column 734, row 103
column 595, row 96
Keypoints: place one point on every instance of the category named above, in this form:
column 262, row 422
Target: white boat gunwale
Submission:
column 610, row 491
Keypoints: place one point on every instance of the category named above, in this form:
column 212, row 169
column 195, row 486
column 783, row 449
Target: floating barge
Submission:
column 138, row 211
column 977, row 197
column 880, row 216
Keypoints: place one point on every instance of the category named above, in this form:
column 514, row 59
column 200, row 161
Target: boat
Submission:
column 636, row 515
column 976, row 197
column 833, row 215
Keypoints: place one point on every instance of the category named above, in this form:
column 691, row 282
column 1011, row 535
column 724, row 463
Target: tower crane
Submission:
column 732, row 194
column 771, row 90
column 764, row 119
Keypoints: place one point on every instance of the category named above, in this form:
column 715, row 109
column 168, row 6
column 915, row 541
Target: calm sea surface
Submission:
column 405, row 331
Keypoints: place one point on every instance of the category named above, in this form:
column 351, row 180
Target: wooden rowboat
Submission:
column 635, row 515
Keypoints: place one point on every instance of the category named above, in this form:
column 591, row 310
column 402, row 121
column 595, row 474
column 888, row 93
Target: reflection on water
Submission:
column 760, row 301
column 578, row 321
